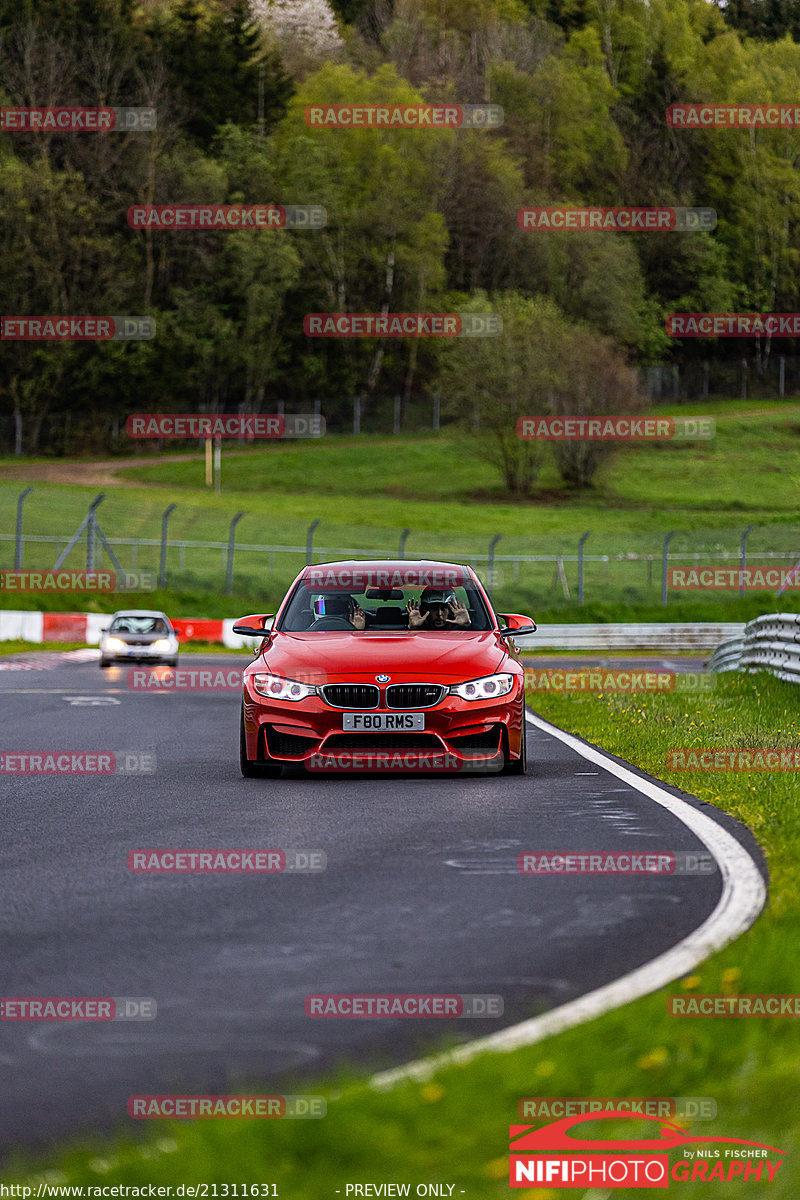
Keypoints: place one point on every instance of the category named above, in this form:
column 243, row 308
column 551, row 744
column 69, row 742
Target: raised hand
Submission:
column 415, row 617
column 459, row 614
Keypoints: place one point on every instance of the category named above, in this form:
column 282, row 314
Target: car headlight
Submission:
column 487, row 688
column 163, row 645
column 275, row 687
column 113, row 643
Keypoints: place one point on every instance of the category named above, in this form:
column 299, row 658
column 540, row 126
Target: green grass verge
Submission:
column 17, row 646
column 454, row 1128
column 365, row 491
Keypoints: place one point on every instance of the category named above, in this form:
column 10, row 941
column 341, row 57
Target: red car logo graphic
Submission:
column 537, row 1156
column 554, row 1136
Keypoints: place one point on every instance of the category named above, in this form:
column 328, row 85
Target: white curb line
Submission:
column 743, row 897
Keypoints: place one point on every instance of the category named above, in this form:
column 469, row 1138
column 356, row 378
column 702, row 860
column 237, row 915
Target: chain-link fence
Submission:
column 219, row 550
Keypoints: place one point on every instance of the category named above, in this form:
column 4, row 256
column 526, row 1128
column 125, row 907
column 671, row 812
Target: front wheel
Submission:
column 250, row 769
column 104, row 662
column 520, row 767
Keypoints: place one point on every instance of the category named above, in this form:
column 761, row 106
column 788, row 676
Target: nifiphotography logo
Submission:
column 549, row 1155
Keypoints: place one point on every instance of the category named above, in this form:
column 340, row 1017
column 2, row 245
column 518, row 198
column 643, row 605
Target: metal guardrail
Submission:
column 679, row 638
column 769, row 643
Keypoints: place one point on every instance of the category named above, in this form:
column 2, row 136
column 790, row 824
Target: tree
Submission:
column 597, row 382
column 490, row 382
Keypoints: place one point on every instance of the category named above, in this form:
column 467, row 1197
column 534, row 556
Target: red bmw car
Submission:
column 384, row 665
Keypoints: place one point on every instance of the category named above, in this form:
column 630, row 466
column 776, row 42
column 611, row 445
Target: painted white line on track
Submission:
column 743, row 897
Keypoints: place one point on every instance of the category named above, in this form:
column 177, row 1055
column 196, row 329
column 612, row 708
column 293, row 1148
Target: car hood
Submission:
column 422, row 657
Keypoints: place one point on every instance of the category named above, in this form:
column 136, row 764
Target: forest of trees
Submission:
column 417, row 220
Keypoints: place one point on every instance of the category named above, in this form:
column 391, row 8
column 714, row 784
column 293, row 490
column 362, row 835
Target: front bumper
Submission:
column 137, row 654
column 459, row 735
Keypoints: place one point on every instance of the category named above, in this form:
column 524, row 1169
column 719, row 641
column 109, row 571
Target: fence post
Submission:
column 356, row 414
column 436, row 411
column 743, row 559
column 91, row 521
column 18, row 544
column 310, row 541
column 490, row 581
column 162, row 566
column 580, row 565
column 781, row 375
column 231, row 548
column 744, row 379
column 396, row 417
column 665, row 565
column 217, row 465
column 402, row 551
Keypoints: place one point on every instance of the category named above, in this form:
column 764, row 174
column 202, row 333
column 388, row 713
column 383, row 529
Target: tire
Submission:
column 172, row 662
column 104, row 662
column 250, row 769
column 520, row 767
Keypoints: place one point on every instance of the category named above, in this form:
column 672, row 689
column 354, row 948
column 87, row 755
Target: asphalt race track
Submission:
column 421, row 894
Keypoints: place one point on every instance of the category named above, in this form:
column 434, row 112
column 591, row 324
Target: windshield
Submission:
column 407, row 609
column 129, row 624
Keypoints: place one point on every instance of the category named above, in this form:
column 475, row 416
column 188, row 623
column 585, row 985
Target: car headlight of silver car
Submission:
column 275, row 687
column 113, row 643
column 487, row 688
column 162, row 646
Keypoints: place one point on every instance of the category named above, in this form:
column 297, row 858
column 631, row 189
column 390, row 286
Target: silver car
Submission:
column 139, row 634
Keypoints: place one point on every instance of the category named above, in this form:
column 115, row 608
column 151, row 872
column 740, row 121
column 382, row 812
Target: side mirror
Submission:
column 515, row 624
column 255, row 625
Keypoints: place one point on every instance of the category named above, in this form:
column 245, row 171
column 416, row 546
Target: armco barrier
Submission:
column 679, row 638
column 769, row 643
column 78, row 627
column 87, row 627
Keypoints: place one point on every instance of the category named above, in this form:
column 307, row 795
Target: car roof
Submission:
column 388, row 564
column 139, row 612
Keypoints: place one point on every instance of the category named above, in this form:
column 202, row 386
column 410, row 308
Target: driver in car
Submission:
column 437, row 609
column 339, row 604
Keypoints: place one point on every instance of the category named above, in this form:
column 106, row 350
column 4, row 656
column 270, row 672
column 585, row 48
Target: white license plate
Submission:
column 375, row 722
